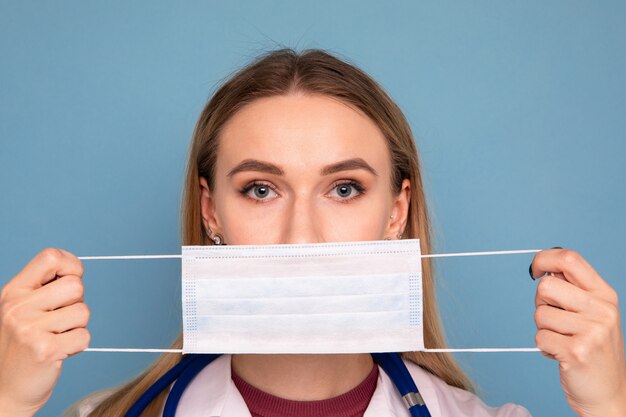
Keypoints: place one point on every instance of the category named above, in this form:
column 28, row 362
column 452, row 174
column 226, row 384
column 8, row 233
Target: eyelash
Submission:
column 354, row 184
column 245, row 190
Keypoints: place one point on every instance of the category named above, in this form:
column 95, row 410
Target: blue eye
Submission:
column 344, row 190
column 259, row 191
column 348, row 190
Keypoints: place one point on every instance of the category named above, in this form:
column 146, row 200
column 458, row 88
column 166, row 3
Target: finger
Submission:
column 46, row 266
column 557, row 292
column 66, row 318
column 558, row 275
column 573, row 266
column 552, row 343
column 61, row 292
column 73, row 341
column 557, row 320
column 48, row 348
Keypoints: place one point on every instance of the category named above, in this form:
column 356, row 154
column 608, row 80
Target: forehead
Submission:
column 301, row 130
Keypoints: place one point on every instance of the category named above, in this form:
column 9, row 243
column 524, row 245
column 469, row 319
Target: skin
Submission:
column 302, row 136
column 43, row 317
column 42, row 321
column 578, row 325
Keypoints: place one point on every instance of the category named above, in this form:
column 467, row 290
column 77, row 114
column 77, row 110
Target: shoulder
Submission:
column 455, row 401
column 84, row 407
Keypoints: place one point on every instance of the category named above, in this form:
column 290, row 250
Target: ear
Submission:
column 209, row 217
column 399, row 211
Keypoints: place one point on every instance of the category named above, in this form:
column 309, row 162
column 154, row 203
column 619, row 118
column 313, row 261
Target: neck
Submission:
column 303, row 377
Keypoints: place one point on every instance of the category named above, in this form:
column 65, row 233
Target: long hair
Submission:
column 283, row 72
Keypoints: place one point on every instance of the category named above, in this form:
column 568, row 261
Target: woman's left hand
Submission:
column 578, row 322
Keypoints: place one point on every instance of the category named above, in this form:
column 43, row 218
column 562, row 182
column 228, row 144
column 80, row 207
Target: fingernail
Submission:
column 530, row 268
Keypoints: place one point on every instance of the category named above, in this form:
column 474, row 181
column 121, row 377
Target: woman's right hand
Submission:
column 43, row 320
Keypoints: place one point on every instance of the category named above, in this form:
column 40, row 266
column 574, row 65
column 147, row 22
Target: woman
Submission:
column 306, row 148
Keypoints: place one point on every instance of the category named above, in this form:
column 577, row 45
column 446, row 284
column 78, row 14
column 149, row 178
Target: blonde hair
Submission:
column 284, row 72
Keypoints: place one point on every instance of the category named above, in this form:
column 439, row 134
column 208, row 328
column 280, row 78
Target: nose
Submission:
column 302, row 224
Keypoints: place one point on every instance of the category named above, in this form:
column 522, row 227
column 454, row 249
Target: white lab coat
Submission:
column 213, row 394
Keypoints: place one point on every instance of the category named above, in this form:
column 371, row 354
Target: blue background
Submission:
column 518, row 109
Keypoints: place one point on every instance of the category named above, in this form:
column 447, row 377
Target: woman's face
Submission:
column 302, row 168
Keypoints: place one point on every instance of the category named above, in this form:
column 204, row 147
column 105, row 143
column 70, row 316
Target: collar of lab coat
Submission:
column 213, row 394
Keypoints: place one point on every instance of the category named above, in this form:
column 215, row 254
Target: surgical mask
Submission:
column 347, row 297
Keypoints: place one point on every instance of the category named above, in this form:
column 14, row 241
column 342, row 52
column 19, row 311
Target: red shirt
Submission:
column 351, row 404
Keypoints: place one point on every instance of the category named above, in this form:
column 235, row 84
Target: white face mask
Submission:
column 347, row 297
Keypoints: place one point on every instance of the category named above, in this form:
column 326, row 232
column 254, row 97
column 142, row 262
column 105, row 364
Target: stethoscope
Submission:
column 185, row 371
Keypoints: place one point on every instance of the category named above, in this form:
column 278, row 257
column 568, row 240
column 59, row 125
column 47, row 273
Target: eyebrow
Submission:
column 348, row 165
column 269, row 168
column 255, row 165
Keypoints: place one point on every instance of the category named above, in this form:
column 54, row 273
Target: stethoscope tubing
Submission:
column 155, row 389
column 188, row 374
column 397, row 371
column 186, row 370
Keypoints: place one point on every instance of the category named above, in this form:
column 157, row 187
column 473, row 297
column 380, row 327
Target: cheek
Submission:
column 367, row 222
column 245, row 224
column 242, row 226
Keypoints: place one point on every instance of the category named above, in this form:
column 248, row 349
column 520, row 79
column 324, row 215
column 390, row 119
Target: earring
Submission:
column 218, row 239
column 399, row 235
